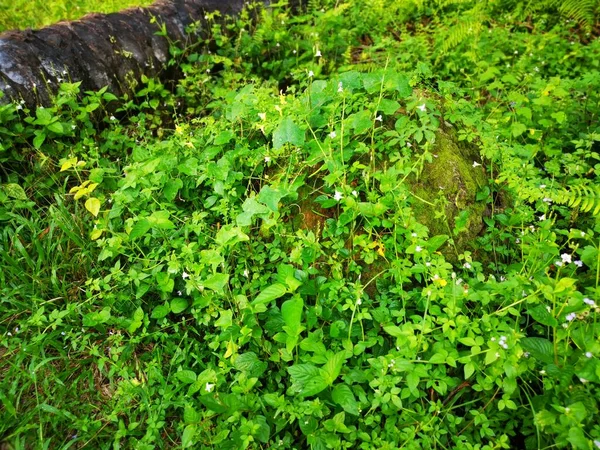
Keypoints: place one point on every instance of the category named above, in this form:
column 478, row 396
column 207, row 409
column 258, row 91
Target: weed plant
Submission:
column 241, row 263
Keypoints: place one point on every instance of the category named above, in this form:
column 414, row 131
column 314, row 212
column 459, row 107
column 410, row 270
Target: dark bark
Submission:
column 99, row 50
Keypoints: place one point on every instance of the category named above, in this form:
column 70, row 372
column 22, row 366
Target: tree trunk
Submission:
column 99, row 50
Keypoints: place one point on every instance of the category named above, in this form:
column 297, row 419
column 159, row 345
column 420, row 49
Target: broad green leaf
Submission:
column 160, row 220
column 269, row 294
column 287, row 131
column 164, row 282
column 412, row 381
column 224, row 137
column 216, row 282
column 361, row 121
column 469, row 369
column 400, row 83
column 225, row 319
column 291, row 311
column 342, row 394
column 186, row 376
column 171, row 188
column 92, row 204
column 518, row 129
column 178, row 305
column 540, row 348
column 137, row 320
column 333, row 366
column 388, row 107
column 564, row 284
column 307, row 379
column 541, row 315
column 250, row 364
column 230, row 235
column 95, row 318
column 13, row 190
column 393, row 330
column 270, row 197
column 160, row 311
column 140, row 228
column 264, row 431
column 250, row 208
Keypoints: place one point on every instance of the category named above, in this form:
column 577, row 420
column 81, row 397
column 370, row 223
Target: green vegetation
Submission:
column 359, row 227
column 21, row 14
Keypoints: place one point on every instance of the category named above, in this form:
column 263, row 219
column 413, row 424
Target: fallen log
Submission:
column 100, row 50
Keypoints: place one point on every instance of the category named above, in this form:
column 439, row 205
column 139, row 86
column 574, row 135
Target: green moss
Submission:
column 451, row 179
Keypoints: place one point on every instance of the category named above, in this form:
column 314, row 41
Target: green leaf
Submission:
column 333, row 366
column 178, row 305
column 270, row 197
column 517, row 129
column 564, row 284
column 269, row 294
column 216, row 282
column 412, row 381
column 342, row 394
column 250, row 208
column 264, row 431
column 291, row 311
column 164, row 282
column 186, row 376
column 250, row 364
column 307, row 379
column 225, row 319
column 56, row 127
column 224, row 137
column 171, row 188
column 160, row 220
column 436, row 242
column 39, row 139
column 541, row 315
column 540, row 348
column 287, row 131
column 393, row 330
column 160, row 311
column 388, row 107
column 360, row 121
column 469, row 369
column 137, row 320
column 400, row 83
column 95, row 318
column 140, row 228
column 230, row 235
column 13, row 190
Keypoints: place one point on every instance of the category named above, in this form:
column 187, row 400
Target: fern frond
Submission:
column 459, row 33
column 581, row 11
column 586, row 198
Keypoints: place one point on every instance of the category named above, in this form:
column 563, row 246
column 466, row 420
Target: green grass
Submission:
column 369, row 228
column 22, row 14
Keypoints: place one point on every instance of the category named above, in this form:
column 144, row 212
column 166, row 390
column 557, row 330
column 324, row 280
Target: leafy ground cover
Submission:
column 251, row 261
column 21, row 14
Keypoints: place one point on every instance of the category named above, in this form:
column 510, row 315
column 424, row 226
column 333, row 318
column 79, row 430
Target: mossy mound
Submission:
column 445, row 193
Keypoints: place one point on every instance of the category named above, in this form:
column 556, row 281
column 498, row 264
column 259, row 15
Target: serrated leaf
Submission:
column 269, row 294
column 342, row 394
column 250, row 364
column 333, row 366
column 186, row 376
column 92, row 204
column 178, row 305
column 291, row 311
column 540, row 348
column 287, row 132
column 307, row 379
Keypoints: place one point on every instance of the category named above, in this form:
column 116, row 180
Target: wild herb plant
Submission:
column 252, row 261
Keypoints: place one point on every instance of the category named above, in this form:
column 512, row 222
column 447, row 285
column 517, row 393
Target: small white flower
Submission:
column 18, row 107
column 547, row 200
column 338, row 196
column 408, row 144
column 570, row 317
column 209, row 387
column 207, row 70
column 542, row 217
column 578, row 263
column 542, row 372
column 62, row 333
column 179, row 293
column 379, row 118
column 332, row 135
column 354, row 193
column 185, row 275
column 497, row 355
column 516, row 52
column 318, row 53
column 9, row 334
column 414, row 234
column 493, row 339
column 262, row 115
column 427, row 264
column 277, row 45
column 358, row 301
column 467, row 265
column 566, row 258
column 476, row 164
column 542, row 186
column 558, row 263
column 113, row 118
column 340, row 87
column 583, row 380
column 597, row 443
column 589, row 301
column 418, row 249
column 422, row 107
column 565, row 325
column 267, row 159
column 246, row 273
column 526, row 355
column 311, row 74
column 504, row 345
column 588, row 354
column 567, row 410
column 294, row 52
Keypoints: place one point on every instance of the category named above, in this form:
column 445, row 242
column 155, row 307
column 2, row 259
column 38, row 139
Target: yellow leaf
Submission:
column 92, row 204
column 96, row 233
column 68, row 164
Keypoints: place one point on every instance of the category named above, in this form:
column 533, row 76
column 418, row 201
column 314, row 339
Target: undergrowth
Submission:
column 263, row 259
